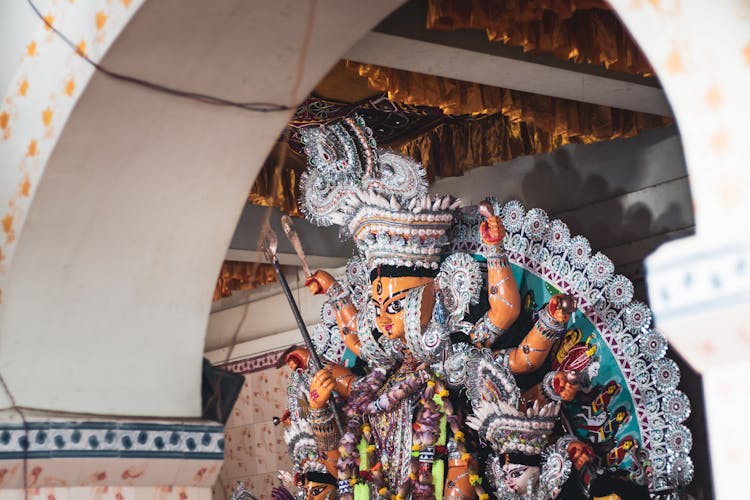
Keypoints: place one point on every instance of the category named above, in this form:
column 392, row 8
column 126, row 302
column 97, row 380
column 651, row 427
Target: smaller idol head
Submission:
column 517, row 477
column 519, row 471
column 319, row 486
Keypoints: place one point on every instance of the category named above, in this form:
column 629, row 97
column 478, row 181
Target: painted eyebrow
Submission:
column 390, row 297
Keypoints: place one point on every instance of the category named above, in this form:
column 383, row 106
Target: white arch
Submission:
column 106, row 276
column 107, row 285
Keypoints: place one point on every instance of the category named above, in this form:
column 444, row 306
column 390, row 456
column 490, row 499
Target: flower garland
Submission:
column 434, row 403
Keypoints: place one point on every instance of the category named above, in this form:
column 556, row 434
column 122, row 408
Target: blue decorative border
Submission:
column 111, row 440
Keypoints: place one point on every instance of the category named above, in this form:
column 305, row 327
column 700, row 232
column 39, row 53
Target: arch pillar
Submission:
column 699, row 287
column 117, row 205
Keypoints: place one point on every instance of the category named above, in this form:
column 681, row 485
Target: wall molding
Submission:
column 111, row 439
column 253, row 364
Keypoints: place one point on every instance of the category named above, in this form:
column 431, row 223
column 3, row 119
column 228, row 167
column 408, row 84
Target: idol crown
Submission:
column 377, row 196
column 512, row 431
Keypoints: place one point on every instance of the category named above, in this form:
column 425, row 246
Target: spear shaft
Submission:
column 269, row 248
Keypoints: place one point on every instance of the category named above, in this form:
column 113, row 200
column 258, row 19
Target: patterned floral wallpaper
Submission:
column 49, row 79
column 254, row 449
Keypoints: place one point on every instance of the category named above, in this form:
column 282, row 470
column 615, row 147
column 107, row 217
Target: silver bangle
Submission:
column 485, row 331
column 548, row 326
column 497, row 260
column 547, row 389
column 337, row 291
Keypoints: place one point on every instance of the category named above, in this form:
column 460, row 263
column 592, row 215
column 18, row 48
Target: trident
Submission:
column 270, row 243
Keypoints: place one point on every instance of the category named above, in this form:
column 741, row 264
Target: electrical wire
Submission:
column 258, row 107
column 25, row 423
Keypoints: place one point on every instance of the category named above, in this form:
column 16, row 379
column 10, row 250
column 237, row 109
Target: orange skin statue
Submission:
column 389, row 294
column 346, row 315
column 505, row 301
column 505, row 306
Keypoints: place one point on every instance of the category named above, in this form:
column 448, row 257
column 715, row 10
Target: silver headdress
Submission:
column 300, row 441
column 378, row 197
column 513, row 433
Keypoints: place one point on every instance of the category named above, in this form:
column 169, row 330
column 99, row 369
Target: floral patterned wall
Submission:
column 254, row 449
column 108, row 493
column 49, row 80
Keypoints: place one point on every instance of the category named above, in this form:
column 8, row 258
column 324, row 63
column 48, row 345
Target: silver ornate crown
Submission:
column 300, row 441
column 377, row 196
column 510, row 430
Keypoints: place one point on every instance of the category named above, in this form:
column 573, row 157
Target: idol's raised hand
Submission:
column 491, row 228
column 321, row 387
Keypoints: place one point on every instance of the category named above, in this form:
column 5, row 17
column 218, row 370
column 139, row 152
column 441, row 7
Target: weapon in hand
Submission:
column 288, row 226
column 270, row 243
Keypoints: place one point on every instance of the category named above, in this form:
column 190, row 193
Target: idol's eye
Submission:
column 317, row 490
column 395, row 307
column 517, row 472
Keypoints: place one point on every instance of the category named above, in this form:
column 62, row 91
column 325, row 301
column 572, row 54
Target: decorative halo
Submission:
column 558, row 237
column 666, row 374
column 637, row 316
column 600, row 269
column 513, row 215
column 580, row 249
column 327, row 314
column 653, row 345
column 679, row 439
column 319, row 336
column 659, row 461
column 535, row 223
column 355, row 270
column 620, row 291
column 681, row 469
column 676, row 407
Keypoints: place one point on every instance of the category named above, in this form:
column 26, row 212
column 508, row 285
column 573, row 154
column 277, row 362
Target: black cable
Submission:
column 260, row 107
column 27, row 444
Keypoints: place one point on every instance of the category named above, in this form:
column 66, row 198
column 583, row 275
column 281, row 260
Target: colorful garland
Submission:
column 434, row 404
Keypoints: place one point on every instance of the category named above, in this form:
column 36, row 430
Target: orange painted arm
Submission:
column 505, row 301
column 346, row 319
column 531, row 353
column 534, row 348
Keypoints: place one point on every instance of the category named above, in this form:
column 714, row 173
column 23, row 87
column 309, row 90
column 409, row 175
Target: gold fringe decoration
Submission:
column 236, row 276
column 506, row 123
column 583, row 31
column 484, row 125
column 271, row 192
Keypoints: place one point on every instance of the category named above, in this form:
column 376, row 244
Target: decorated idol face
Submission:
column 517, row 477
column 319, row 491
column 389, row 298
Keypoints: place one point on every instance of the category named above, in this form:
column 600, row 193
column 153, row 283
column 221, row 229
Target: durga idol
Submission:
column 405, row 432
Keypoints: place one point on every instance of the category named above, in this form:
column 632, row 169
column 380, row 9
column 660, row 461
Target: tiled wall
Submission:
column 254, row 448
column 108, row 493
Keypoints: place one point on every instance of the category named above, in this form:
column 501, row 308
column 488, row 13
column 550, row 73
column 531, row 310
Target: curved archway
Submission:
column 699, row 285
column 89, row 223
column 129, row 198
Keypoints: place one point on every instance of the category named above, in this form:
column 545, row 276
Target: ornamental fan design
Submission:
column 566, row 263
